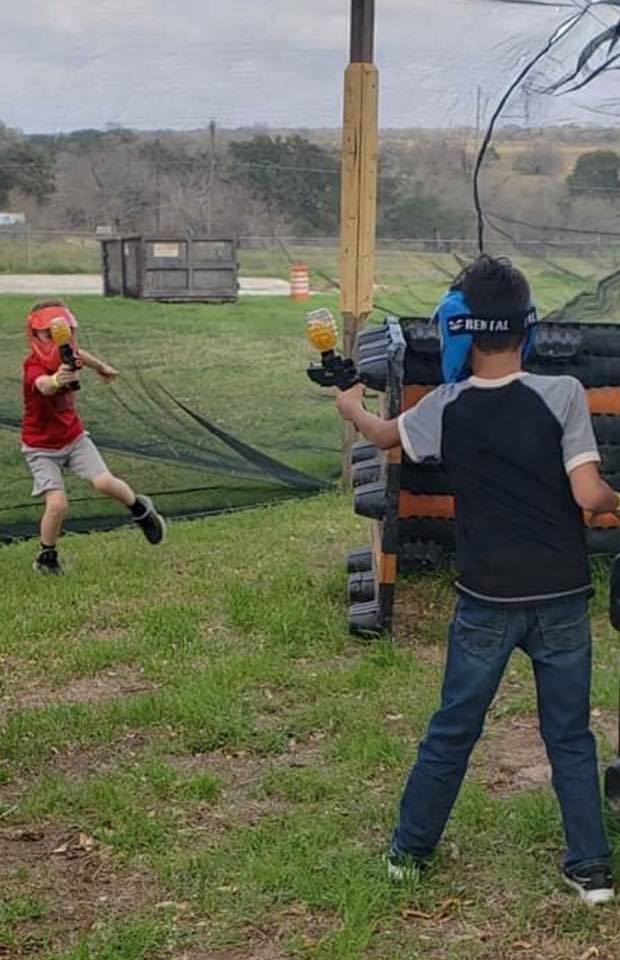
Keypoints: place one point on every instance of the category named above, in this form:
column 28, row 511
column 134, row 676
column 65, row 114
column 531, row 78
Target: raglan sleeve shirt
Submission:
column 420, row 426
column 578, row 441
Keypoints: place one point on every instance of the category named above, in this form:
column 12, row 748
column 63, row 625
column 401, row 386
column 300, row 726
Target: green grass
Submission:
column 252, row 777
column 241, row 365
column 18, row 254
column 200, row 710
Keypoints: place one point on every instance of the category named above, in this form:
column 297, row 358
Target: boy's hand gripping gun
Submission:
column 62, row 337
column 334, row 371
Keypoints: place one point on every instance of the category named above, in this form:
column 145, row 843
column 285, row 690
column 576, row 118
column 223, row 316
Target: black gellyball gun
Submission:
column 61, row 335
column 334, row 371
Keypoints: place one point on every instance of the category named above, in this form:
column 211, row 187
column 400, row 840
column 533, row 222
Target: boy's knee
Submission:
column 103, row 482
column 56, row 503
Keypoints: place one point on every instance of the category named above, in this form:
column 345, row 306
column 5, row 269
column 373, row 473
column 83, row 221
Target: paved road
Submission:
column 50, row 284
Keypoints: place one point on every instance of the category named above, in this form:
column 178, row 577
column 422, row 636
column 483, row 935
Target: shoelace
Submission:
column 597, row 879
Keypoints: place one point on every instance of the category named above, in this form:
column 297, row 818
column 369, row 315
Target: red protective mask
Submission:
column 46, row 351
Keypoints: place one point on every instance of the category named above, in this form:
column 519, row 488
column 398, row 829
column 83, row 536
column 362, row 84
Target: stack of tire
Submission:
column 411, row 505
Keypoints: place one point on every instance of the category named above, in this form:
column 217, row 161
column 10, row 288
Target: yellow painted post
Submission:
column 358, row 202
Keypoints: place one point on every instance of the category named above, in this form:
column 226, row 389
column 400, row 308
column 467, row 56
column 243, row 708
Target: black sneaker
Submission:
column 47, row 562
column 593, row 884
column 402, row 866
column 153, row 525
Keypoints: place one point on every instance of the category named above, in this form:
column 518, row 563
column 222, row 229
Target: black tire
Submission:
column 423, row 370
column 428, row 530
column 368, row 471
column 601, row 340
column 419, row 557
column 360, row 560
column 610, row 458
column 424, row 478
column 606, row 428
column 603, row 541
column 554, row 341
column 592, row 372
column 370, row 500
column 373, row 373
column 362, row 588
column 422, row 337
column 613, row 479
column 363, row 450
column 364, row 620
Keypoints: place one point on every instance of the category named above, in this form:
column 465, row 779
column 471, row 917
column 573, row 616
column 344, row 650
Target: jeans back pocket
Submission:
column 564, row 624
column 479, row 628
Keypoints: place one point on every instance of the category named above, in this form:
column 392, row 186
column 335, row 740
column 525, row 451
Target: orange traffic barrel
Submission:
column 300, row 281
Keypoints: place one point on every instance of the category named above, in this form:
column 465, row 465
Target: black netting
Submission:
column 212, row 410
column 196, row 419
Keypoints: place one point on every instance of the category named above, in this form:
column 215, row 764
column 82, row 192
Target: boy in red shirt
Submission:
column 54, row 438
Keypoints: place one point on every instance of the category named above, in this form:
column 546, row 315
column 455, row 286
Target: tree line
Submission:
column 264, row 183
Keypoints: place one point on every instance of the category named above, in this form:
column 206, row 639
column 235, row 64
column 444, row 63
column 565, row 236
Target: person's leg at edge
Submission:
column 481, row 640
column 86, row 461
column 54, row 513
column 559, row 644
column 112, row 486
column 142, row 507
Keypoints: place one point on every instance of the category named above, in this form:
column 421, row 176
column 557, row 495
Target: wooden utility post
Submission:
column 211, row 178
column 358, row 202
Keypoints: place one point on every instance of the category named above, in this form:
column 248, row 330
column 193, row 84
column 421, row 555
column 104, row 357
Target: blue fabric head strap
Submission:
column 458, row 326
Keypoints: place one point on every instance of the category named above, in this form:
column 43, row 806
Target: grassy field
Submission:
column 407, row 277
column 242, row 365
column 197, row 762
column 23, row 254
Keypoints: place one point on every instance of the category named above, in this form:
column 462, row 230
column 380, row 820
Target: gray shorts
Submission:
column 80, row 457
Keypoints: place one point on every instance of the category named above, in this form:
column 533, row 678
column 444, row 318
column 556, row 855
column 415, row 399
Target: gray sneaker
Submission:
column 151, row 523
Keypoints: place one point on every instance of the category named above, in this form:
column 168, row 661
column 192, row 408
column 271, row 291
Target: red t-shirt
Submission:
column 48, row 422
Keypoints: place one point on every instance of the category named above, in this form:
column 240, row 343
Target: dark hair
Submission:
column 495, row 289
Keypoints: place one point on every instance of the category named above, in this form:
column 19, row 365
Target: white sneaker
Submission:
column 593, row 884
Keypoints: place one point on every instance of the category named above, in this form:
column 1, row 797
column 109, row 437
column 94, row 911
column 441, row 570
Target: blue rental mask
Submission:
column 458, row 326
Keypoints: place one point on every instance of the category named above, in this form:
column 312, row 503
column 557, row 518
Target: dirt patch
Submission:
column 267, row 939
column 77, row 880
column 76, row 763
column 80, row 762
column 422, row 611
column 511, row 755
column 111, row 634
column 117, row 682
column 451, row 929
column 240, row 803
column 243, row 768
column 265, row 951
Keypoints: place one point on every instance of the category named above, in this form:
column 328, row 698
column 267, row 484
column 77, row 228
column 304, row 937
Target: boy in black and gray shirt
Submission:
column 522, row 459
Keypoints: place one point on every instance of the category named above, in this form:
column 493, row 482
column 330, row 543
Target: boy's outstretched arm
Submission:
column 591, row 492
column 383, row 433
column 49, row 384
column 105, row 371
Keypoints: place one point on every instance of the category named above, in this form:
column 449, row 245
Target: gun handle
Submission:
column 68, row 358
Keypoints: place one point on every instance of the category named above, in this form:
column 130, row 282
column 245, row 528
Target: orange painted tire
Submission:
column 604, row 400
column 422, row 505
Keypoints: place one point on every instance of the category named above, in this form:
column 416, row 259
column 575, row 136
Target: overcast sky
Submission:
column 68, row 64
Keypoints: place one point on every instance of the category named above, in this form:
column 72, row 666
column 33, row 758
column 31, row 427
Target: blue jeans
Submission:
column 556, row 637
